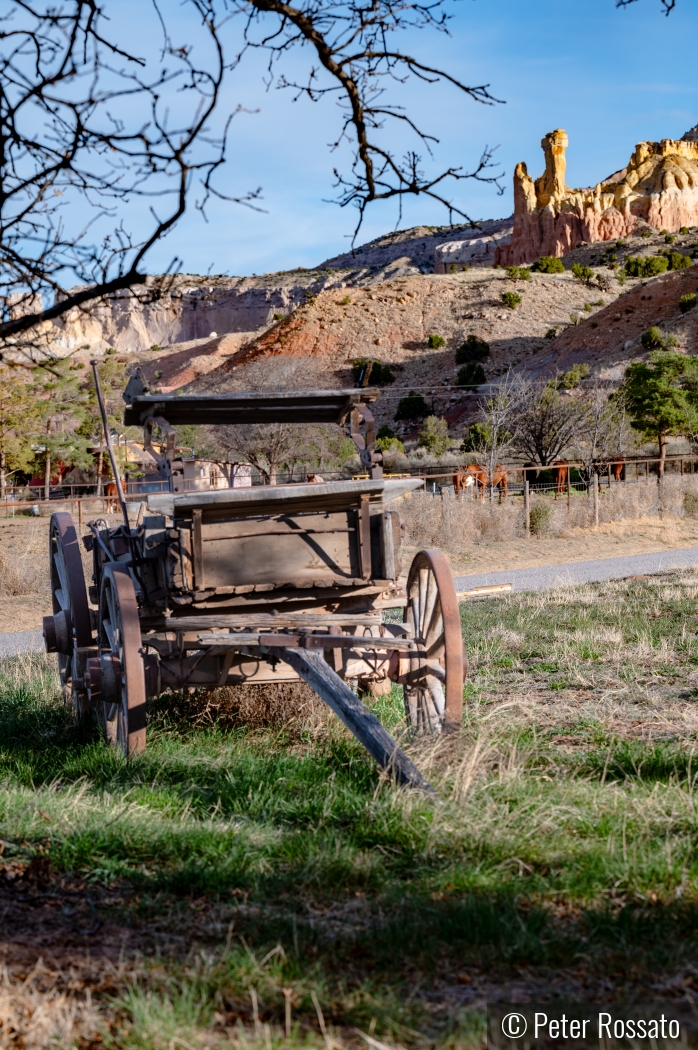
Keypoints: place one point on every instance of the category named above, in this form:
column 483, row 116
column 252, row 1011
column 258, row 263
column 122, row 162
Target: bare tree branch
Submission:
column 90, row 127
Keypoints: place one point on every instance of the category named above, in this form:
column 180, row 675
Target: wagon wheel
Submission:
column 69, row 629
column 122, row 675
column 434, row 697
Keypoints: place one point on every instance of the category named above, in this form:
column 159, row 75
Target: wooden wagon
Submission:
column 257, row 585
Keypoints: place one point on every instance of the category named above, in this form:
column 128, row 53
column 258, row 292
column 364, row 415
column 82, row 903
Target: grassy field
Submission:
column 263, row 886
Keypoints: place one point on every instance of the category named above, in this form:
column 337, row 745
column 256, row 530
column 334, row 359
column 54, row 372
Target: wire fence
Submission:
column 559, row 481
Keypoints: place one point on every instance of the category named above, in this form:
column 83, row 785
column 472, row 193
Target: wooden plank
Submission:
column 313, row 669
column 301, row 619
column 286, row 406
column 315, row 641
column 364, row 517
column 488, row 591
column 197, row 551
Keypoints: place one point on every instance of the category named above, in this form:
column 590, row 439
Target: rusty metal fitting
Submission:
column 49, row 630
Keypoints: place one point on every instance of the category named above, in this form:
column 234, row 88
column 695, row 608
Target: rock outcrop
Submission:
column 659, row 187
column 478, row 247
column 192, row 308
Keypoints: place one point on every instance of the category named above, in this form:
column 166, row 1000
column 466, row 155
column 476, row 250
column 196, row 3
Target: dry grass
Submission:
column 291, row 705
column 37, row 1014
column 23, row 558
column 455, row 524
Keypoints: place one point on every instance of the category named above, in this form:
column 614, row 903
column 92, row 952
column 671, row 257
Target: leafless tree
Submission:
column 90, row 127
column 668, row 5
column 604, row 431
column 271, row 447
column 546, row 420
column 496, row 414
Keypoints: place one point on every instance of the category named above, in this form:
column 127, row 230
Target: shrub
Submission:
column 539, row 517
column 476, row 437
column 390, row 444
column 551, row 333
column 471, row 375
column 345, row 301
column 690, row 505
column 655, row 339
column 646, row 233
column 646, row 266
column 384, row 431
column 155, row 347
column 669, row 239
column 548, row 264
column 511, row 300
column 411, row 407
column 365, row 370
column 473, row 349
column 434, row 435
column 435, row 341
column 585, row 274
column 677, row 261
column 684, row 230
column 518, row 273
column 687, row 302
column 279, row 317
column 571, row 379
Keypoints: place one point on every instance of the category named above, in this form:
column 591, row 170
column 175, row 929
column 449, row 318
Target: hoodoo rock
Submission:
column 658, row 187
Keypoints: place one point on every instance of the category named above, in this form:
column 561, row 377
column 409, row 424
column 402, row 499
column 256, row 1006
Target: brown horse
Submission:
column 475, row 475
column 618, row 469
column 560, row 469
column 111, row 495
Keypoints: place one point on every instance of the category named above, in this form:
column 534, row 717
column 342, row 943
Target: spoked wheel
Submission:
column 118, row 683
column 68, row 632
column 434, row 690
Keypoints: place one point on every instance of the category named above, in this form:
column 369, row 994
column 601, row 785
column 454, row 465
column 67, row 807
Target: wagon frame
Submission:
column 256, row 585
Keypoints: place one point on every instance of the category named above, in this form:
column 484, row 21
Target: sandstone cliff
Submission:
column 658, row 188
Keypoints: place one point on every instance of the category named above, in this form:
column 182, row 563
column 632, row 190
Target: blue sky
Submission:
column 611, row 77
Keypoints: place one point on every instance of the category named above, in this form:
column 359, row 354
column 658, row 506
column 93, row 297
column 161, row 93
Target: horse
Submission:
column 111, row 495
column 618, row 469
column 462, row 481
column 560, row 469
column 477, row 476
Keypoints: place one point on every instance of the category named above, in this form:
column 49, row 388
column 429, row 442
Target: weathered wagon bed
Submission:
column 255, row 585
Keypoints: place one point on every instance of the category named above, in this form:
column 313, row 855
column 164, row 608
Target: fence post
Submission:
column 596, row 498
column 80, row 513
column 527, row 508
column 569, row 486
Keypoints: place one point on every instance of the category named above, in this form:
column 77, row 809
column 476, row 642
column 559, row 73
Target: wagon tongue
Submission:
column 312, row 667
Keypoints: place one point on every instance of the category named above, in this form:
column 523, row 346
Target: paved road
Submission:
column 17, row 642
column 575, row 572
column 568, row 574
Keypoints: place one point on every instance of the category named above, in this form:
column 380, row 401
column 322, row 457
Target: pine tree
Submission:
column 662, row 397
column 62, row 407
column 18, row 412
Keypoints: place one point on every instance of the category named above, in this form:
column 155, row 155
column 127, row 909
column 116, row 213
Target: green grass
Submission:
column 563, row 838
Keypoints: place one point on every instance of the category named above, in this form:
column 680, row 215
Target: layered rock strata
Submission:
column 659, row 187
column 478, row 247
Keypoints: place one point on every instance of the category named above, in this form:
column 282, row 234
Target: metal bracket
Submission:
column 360, row 415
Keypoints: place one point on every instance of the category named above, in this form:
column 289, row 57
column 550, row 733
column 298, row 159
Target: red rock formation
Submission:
column 658, row 187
